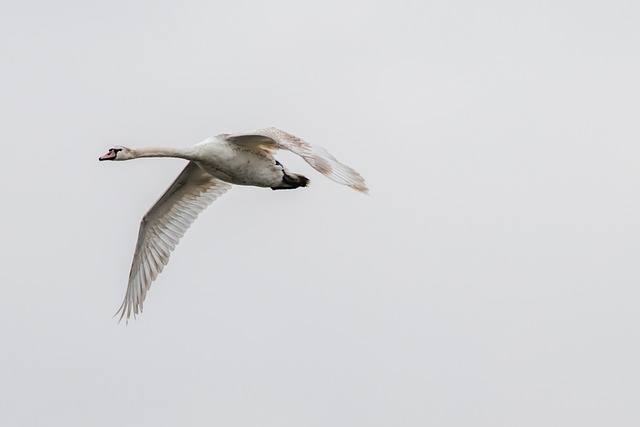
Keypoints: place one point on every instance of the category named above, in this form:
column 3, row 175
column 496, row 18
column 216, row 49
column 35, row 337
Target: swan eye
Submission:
column 115, row 150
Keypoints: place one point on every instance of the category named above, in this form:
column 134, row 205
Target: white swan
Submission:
column 214, row 164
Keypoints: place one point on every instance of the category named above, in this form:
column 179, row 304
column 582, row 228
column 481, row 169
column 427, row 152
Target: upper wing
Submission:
column 274, row 139
column 162, row 227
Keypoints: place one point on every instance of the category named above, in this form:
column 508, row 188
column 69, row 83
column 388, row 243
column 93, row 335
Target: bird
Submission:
column 213, row 166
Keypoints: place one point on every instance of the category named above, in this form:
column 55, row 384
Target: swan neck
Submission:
column 183, row 153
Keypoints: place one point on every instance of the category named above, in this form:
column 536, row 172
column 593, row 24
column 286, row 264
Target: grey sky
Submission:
column 490, row 279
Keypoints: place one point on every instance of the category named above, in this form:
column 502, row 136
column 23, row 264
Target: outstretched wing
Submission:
column 162, row 227
column 270, row 139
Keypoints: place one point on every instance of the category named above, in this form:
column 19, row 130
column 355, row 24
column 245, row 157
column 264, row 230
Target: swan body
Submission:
column 238, row 165
column 214, row 164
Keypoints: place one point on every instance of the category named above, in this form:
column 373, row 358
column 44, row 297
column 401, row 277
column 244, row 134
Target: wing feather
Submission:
column 162, row 228
column 270, row 139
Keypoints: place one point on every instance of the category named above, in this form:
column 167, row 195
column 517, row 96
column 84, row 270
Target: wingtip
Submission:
column 125, row 312
column 120, row 315
column 358, row 183
column 363, row 190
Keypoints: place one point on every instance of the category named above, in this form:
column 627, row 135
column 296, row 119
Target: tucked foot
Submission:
column 290, row 180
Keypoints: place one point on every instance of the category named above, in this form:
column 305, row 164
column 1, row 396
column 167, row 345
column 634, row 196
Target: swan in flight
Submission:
column 214, row 164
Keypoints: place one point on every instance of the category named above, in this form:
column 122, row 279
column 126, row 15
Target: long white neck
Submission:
column 183, row 153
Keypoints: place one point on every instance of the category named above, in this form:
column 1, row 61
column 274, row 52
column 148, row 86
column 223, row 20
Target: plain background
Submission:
column 490, row 279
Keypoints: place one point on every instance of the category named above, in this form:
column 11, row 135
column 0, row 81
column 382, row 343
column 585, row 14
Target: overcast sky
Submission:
column 490, row 278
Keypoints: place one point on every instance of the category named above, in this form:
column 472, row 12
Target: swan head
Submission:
column 117, row 153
